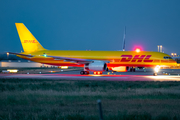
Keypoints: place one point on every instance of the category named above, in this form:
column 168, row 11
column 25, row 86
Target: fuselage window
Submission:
column 167, row 57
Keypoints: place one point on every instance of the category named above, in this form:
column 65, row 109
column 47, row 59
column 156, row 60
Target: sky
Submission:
column 92, row 24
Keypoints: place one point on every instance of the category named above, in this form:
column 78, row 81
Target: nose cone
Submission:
column 173, row 63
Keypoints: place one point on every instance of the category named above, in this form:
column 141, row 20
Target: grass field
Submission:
column 28, row 99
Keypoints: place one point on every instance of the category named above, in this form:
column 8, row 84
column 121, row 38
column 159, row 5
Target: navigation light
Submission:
column 45, row 55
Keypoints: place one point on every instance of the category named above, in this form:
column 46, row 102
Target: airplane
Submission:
column 92, row 61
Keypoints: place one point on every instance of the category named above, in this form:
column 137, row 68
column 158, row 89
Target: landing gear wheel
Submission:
column 86, row 72
column 127, row 68
column 82, row 72
column 155, row 74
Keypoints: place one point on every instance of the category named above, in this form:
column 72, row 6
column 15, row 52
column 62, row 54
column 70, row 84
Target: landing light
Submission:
column 156, row 69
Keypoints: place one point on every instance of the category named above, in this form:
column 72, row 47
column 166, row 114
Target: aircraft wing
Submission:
column 20, row 54
column 73, row 60
column 76, row 60
column 66, row 59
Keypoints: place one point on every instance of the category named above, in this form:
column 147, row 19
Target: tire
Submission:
column 82, row 72
column 86, row 72
column 127, row 68
column 155, row 74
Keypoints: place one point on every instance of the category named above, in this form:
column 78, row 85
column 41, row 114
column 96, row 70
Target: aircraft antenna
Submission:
column 124, row 38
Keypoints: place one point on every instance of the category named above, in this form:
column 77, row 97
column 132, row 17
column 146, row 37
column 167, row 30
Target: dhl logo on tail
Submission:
column 30, row 41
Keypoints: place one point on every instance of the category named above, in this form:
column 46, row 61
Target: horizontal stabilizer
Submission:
column 20, row 54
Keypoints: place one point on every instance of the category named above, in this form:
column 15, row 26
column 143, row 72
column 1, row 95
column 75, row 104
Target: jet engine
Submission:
column 96, row 66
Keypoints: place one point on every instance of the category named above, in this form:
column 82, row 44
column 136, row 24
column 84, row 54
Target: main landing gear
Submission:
column 132, row 69
column 87, row 73
column 84, row 72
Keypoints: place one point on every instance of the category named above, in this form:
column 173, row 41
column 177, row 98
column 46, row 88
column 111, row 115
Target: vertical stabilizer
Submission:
column 28, row 41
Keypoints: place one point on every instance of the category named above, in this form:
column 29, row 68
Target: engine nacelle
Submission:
column 96, row 66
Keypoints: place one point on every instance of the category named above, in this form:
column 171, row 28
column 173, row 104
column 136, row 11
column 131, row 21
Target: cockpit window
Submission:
column 167, row 57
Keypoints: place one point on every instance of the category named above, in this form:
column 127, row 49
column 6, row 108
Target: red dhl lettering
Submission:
column 147, row 58
column 126, row 58
column 136, row 58
column 30, row 41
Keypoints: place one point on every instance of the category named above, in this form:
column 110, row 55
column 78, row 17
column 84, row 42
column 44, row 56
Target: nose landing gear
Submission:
column 155, row 74
column 156, row 70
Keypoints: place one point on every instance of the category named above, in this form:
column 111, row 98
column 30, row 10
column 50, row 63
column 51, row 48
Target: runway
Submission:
column 166, row 75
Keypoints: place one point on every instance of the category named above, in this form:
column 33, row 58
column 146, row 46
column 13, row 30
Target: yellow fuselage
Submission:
column 116, row 58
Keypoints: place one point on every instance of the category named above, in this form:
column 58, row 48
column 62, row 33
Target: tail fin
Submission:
column 28, row 41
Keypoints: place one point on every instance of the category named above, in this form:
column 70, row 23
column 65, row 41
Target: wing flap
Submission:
column 73, row 60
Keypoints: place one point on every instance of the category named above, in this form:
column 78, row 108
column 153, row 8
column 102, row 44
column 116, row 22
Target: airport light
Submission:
column 174, row 54
column 160, row 48
column 7, row 54
column 12, row 70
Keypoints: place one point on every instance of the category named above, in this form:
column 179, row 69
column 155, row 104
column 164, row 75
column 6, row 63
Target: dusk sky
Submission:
column 92, row 24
